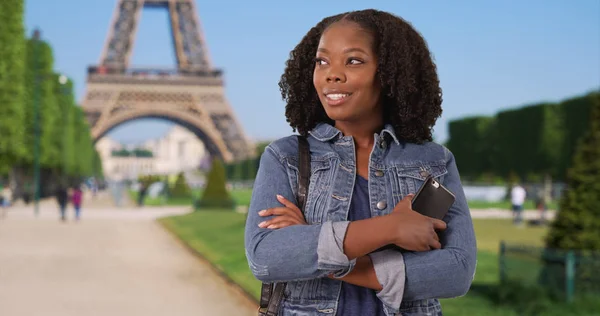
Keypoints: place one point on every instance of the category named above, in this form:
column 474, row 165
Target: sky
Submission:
column 491, row 55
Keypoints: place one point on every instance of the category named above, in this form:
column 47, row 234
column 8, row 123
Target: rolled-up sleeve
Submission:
column 330, row 249
column 446, row 272
column 299, row 252
column 389, row 268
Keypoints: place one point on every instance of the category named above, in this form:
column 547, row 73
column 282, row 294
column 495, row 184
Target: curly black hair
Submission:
column 410, row 89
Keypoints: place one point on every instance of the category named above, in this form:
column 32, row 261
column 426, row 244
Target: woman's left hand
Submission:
column 288, row 215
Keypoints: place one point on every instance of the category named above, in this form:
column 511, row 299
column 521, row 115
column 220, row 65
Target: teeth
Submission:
column 336, row 96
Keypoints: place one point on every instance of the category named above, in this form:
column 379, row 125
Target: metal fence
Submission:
column 563, row 274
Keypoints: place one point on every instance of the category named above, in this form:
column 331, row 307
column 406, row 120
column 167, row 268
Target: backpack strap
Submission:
column 271, row 296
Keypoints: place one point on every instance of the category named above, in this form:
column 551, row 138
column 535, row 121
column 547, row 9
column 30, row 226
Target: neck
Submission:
column 361, row 131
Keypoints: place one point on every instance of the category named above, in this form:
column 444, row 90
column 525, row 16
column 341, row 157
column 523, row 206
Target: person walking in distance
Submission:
column 517, row 198
column 77, row 199
column 7, row 196
column 62, row 198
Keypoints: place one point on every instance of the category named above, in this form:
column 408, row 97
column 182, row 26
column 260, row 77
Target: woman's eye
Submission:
column 320, row 61
column 354, row 61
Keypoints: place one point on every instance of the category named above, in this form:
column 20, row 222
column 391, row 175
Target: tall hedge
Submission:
column 469, row 142
column 575, row 112
column 12, row 94
column 528, row 140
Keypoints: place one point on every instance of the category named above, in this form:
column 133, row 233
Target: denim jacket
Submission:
column 303, row 255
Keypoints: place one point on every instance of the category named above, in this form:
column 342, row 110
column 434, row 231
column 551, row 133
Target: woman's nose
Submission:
column 335, row 75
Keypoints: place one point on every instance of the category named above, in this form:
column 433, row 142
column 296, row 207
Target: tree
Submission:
column 65, row 129
column 12, row 94
column 180, row 189
column 39, row 69
column 578, row 222
column 215, row 193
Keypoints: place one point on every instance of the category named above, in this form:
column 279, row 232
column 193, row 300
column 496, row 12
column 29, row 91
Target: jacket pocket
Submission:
column 321, row 177
column 408, row 179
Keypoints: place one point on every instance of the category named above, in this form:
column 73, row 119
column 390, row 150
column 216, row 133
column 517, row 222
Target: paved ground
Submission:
column 500, row 213
column 114, row 262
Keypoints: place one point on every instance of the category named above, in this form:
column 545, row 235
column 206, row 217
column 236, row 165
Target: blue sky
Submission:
column 491, row 55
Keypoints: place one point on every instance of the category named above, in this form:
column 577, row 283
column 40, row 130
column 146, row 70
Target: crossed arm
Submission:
column 290, row 254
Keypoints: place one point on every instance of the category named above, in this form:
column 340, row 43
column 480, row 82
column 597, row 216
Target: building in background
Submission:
column 179, row 150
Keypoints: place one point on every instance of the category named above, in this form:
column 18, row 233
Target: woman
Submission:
column 363, row 88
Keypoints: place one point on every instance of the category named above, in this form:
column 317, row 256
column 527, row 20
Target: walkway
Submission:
column 114, row 262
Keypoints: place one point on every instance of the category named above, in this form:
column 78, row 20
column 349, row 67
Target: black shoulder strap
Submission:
column 270, row 298
column 304, row 168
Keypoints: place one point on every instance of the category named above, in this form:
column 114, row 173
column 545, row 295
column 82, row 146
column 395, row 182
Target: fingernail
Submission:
column 271, row 226
column 262, row 224
column 279, row 197
column 262, row 212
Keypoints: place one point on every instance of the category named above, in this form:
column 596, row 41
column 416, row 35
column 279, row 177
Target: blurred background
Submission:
column 116, row 115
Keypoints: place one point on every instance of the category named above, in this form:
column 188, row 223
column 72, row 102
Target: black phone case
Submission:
column 433, row 199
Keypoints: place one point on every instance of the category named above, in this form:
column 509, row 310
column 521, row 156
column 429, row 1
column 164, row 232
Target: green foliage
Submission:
column 180, row 189
column 528, row 140
column 84, row 153
column 27, row 82
column 527, row 143
column 97, row 165
column 246, row 169
column 215, row 194
column 149, row 179
column 137, row 152
column 469, row 142
column 40, row 91
column 12, row 94
column 575, row 112
column 577, row 224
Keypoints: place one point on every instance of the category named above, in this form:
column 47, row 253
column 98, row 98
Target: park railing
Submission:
column 561, row 274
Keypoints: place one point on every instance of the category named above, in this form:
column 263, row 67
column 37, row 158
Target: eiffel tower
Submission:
column 192, row 95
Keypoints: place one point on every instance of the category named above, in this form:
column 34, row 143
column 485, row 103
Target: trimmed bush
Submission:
column 215, row 194
column 180, row 189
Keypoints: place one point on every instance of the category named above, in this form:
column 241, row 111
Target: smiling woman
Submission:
column 362, row 88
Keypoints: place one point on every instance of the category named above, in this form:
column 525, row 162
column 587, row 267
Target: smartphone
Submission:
column 433, row 199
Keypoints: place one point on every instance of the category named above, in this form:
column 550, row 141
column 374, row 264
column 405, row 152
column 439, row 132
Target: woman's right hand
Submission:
column 413, row 231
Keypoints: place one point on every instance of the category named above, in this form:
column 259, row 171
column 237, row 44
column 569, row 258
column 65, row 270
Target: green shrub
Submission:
column 180, row 189
column 215, row 194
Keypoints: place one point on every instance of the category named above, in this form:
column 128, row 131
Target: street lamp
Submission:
column 65, row 91
column 36, row 122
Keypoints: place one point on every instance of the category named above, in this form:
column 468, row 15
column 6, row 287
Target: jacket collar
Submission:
column 325, row 132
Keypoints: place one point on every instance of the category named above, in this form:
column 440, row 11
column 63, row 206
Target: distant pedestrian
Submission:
column 517, row 197
column 62, row 198
column 142, row 194
column 7, row 196
column 77, row 199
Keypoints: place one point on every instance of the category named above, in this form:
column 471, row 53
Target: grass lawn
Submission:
column 219, row 236
column 505, row 205
column 241, row 196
